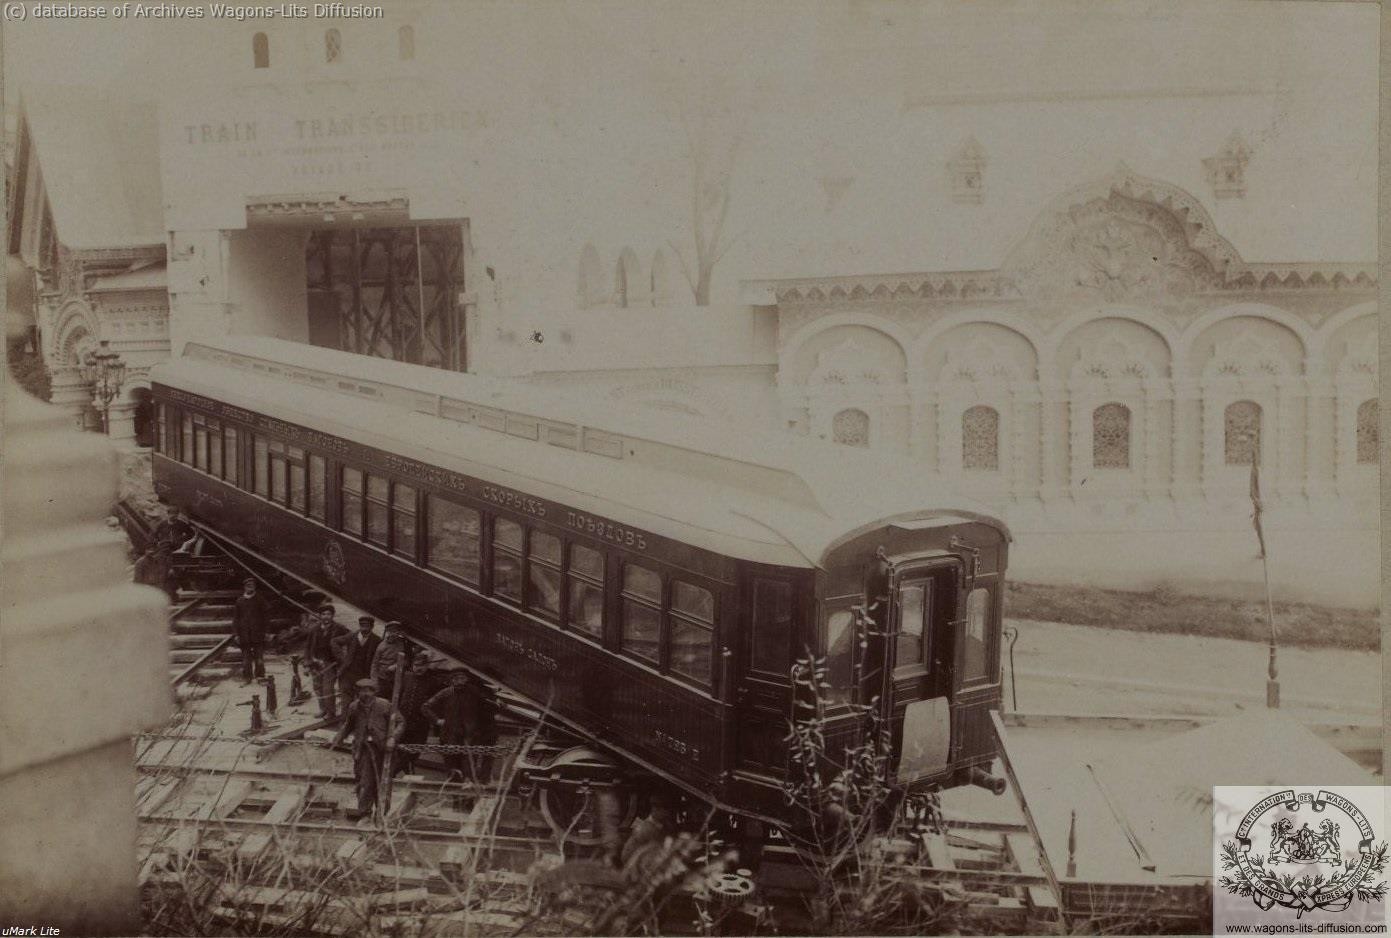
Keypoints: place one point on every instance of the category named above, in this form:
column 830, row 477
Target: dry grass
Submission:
column 1164, row 610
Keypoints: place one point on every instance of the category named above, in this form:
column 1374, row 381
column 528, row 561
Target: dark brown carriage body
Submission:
column 721, row 735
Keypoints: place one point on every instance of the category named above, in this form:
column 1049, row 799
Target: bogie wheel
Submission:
column 582, row 801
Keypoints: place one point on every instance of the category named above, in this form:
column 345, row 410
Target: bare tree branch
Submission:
column 685, row 269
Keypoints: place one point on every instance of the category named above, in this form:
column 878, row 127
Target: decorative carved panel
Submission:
column 1111, row 437
column 1241, row 432
column 850, row 427
column 1114, row 248
column 847, row 363
column 980, row 438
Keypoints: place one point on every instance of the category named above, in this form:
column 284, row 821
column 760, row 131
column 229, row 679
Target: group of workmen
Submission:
column 174, row 535
column 356, row 674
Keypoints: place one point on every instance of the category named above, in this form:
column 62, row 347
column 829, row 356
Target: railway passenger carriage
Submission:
column 646, row 578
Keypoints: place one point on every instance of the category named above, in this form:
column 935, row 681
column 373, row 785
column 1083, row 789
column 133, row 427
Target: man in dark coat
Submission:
column 355, row 652
column 415, row 691
column 322, row 661
column 176, row 532
column 387, row 654
column 250, row 618
column 466, row 716
column 376, row 727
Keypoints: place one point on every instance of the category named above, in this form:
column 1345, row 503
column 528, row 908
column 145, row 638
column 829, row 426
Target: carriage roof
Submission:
column 738, row 490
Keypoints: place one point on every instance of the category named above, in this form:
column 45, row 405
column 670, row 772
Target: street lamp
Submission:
column 104, row 370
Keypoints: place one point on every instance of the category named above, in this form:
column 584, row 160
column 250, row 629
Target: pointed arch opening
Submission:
column 590, row 277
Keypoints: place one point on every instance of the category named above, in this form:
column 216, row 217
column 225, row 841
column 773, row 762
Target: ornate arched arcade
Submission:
column 1125, row 357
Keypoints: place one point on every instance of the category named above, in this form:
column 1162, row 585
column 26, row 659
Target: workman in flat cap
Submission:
column 466, row 715
column 376, row 727
column 393, row 645
column 355, row 653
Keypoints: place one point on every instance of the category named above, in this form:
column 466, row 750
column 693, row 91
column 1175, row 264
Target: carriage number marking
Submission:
column 678, row 745
column 510, row 499
column 606, row 529
column 520, row 648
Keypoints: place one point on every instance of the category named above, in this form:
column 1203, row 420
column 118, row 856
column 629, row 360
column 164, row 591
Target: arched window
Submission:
column 631, row 289
column 1241, row 432
column 980, row 438
column 1368, row 431
column 661, row 279
column 851, row 427
column 405, row 43
column 1111, row 437
column 333, row 45
column 260, row 50
column 590, row 277
column 620, row 283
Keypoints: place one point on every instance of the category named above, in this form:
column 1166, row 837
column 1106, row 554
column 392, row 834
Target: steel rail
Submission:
column 210, row 655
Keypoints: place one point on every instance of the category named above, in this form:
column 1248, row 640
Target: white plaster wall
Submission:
column 266, row 283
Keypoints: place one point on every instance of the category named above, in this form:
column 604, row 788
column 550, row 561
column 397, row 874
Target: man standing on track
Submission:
column 249, row 620
column 465, row 715
column 376, row 727
column 415, row 691
column 355, row 653
column 322, row 660
column 388, row 652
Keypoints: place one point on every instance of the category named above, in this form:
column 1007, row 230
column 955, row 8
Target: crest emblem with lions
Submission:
column 1305, row 865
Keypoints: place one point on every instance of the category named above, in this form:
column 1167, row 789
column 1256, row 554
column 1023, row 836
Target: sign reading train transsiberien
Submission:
column 1286, row 854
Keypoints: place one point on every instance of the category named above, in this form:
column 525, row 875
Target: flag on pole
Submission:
column 1256, row 500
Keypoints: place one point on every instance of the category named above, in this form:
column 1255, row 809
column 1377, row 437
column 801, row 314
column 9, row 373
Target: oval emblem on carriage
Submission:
column 1305, row 851
column 335, row 564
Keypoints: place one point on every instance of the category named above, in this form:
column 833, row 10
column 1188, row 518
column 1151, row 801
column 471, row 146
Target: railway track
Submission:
column 251, row 827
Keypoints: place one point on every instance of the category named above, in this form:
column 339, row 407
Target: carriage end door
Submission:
column 923, row 619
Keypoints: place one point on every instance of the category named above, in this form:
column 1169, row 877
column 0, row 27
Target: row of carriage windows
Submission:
column 1111, row 434
column 664, row 621
column 333, row 46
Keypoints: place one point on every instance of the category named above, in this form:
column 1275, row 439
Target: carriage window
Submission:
column 403, row 520
column 261, row 469
column 318, row 485
column 587, row 590
column 543, row 574
column 840, row 643
column 200, row 443
column 296, row 460
column 452, row 533
column 507, row 559
column 161, row 428
column 229, row 455
column 914, row 602
column 352, row 501
column 278, row 473
column 974, row 659
column 642, row 612
column 215, row 448
column 187, row 440
column 692, row 630
column 771, row 641
column 378, row 489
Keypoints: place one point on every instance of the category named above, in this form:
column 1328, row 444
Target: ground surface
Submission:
column 1074, row 668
